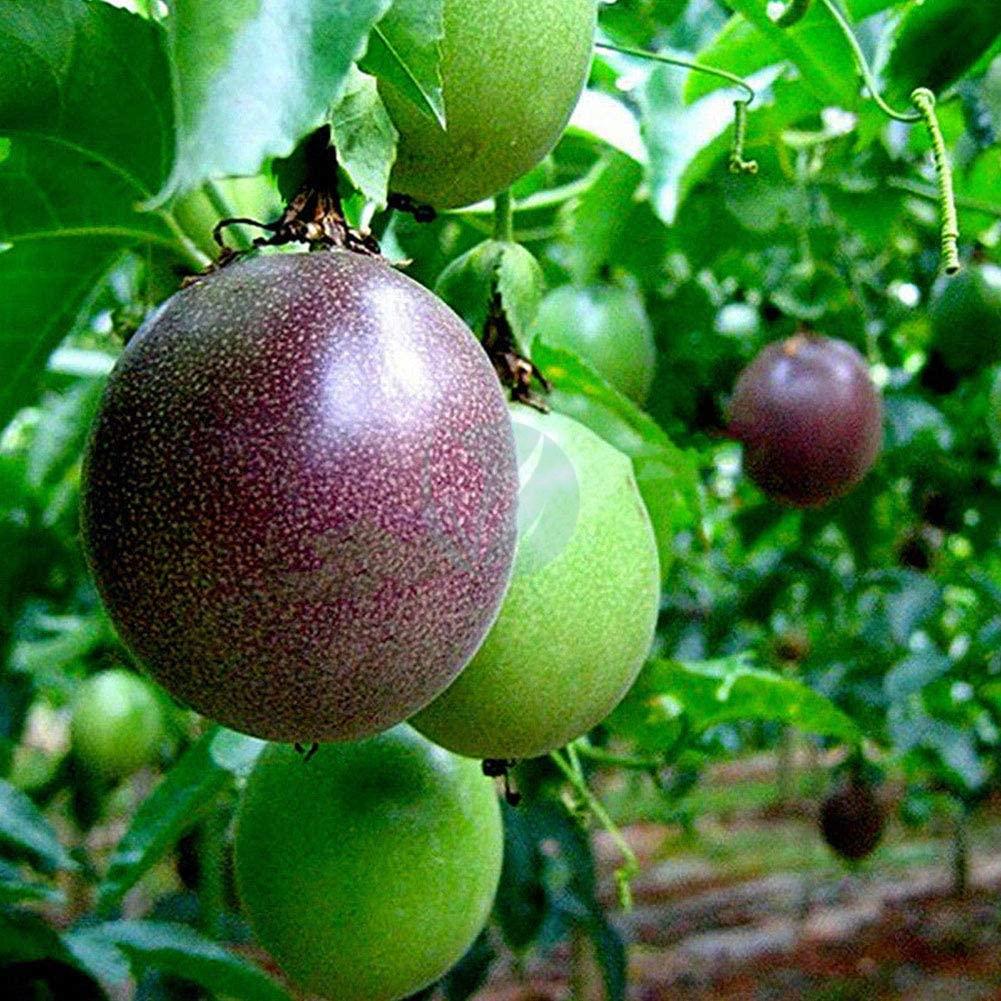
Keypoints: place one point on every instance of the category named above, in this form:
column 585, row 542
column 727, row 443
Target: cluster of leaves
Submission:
column 875, row 619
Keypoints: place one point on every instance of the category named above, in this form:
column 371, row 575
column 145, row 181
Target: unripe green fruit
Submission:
column 117, row 725
column 512, row 72
column 368, row 870
column 966, row 318
column 606, row 326
column 578, row 619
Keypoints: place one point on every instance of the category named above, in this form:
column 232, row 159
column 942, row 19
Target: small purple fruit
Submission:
column 852, row 821
column 299, row 496
column 810, row 419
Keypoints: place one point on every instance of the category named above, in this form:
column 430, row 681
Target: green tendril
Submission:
column 688, row 64
column 863, row 66
column 738, row 165
column 924, row 101
column 626, row 872
column 793, row 14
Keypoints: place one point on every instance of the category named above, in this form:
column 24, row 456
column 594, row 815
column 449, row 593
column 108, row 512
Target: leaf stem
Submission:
column 683, row 63
column 630, row 866
column 504, row 217
column 187, row 247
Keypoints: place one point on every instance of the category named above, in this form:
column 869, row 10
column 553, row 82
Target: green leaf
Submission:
column 177, row 950
column 88, row 135
column 494, row 267
column 709, row 693
column 16, row 890
column 365, row 137
column 742, row 48
column 667, row 476
column 468, row 283
column 600, row 216
column 23, row 827
column 937, row 42
column 405, row 51
column 252, row 77
column 815, row 46
column 206, row 768
column 520, row 284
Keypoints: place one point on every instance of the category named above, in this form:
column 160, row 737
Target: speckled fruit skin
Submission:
column 299, row 497
column 574, row 630
column 117, row 724
column 368, row 871
column 513, row 71
column 606, row 326
column 966, row 318
column 852, row 821
column 809, row 417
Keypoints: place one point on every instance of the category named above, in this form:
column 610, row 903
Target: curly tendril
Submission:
column 924, row 101
column 793, row 14
column 738, row 165
column 737, row 162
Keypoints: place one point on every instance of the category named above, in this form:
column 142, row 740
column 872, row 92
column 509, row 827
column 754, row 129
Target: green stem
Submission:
column 504, row 217
column 924, row 99
column 962, row 201
column 211, row 890
column 863, row 66
column 187, row 247
column 222, row 207
column 683, row 63
column 602, row 757
column 630, row 866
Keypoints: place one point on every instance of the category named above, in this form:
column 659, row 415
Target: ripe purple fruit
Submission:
column 810, row 419
column 852, row 821
column 299, row 496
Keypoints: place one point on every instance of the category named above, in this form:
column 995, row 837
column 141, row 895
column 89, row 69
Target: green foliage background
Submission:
column 125, row 135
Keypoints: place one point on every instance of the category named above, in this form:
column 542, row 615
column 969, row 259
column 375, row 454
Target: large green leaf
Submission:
column 118, row 947
column 815, row 45
column 177, row 802
column 405, row 50
column 742, row 48
column 23, row 827
column 252, row 77
column 87, row 127
column 938, row 41
column 709, row 693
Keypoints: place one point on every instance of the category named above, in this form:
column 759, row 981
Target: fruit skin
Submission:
column 368, row 871
column 579, row 616
column 852, row 821
column 966, row 318
column 513, row 71
column 809, row 417
column 606, row 326
column 117, row 725
column 299, row 496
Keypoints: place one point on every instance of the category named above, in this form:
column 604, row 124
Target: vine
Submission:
column 924, row 100
column 737, row 162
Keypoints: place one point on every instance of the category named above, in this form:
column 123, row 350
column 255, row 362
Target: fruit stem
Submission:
column 504, row 217
column 216, row 197
column 924, row 100
column 658, row 57
column 630, row 866
column 602, row 757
